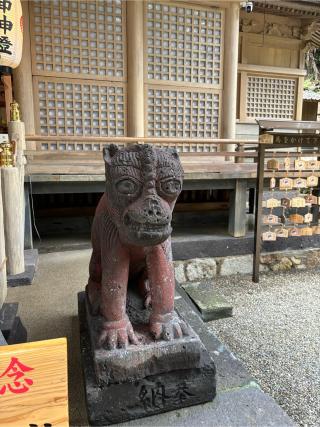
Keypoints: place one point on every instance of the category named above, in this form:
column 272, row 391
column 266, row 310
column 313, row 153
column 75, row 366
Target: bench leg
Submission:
column 28, row 240
column 237, row 210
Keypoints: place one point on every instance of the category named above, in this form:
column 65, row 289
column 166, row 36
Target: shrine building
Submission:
column 193, row 75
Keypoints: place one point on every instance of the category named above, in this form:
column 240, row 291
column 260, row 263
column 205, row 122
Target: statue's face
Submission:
column 143, row 184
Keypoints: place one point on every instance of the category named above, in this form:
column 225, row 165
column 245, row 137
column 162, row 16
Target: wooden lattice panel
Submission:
column 184, row 44
column 86, row 38
column 96, row 146
column 84, row 108
column 189, row 148
column 182, row 113
column 271, row 97
column 70, row 146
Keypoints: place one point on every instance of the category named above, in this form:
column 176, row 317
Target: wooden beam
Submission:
column 266, row 69
column 268, row 124
column 125, row 140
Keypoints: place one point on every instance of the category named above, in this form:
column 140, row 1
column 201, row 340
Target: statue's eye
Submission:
column 127, row 186
column 170, row 186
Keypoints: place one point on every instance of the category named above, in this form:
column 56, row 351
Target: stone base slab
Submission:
column 155, row 389
column 26, row 278
column 139, row 361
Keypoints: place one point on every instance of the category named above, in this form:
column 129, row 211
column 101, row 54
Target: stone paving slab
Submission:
column 230, row 371
column 26, row 278
column 247, row 407
column 210, row 304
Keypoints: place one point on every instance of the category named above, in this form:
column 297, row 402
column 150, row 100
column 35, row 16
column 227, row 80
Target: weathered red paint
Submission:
column 131, row 239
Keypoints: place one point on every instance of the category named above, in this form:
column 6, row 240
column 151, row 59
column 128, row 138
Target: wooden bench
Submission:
column 83, row 172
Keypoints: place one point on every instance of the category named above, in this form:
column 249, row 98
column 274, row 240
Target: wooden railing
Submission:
column 228, row 148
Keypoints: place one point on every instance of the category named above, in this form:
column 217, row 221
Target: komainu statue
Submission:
column 139, row 356
column 131, row 240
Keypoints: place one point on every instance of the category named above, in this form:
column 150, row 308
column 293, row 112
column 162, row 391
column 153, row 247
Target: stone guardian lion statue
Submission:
column 131, row 240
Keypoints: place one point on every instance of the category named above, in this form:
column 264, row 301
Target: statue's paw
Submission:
column 117, row 334
column 168, row 327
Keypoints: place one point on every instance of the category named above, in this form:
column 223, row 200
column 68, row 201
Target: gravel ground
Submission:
column 275, row 331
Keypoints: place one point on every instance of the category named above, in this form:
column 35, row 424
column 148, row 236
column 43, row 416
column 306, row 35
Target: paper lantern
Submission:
column 11, row 33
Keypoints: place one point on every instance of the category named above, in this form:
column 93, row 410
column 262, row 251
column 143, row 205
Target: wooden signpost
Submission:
column 289, row 171
column 34, row 384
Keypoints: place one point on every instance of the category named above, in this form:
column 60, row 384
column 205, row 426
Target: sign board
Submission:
column 34, row 384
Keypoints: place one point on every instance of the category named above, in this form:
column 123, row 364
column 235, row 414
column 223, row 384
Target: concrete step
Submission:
column 207, row 300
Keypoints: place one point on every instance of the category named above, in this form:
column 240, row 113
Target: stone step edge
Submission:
column 198, row 269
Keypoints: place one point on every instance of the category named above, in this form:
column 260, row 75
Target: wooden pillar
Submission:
column 22, row 78
column 16, row 133
column 7, row 85
column 135, row 68
column 28, row 238
column 3, row 271
column 299, row 98
column 13, row 225
column 231, row 47
column 237, row 210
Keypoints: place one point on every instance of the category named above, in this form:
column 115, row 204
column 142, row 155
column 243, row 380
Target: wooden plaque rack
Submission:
column 274, row 136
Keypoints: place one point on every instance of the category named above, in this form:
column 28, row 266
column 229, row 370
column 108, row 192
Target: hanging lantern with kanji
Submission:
column 11, row 33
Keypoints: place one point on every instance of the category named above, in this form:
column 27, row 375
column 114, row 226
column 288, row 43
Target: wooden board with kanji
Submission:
column 34, row 384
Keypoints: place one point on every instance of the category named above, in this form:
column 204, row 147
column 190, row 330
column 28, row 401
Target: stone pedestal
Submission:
column 143, row 380
column 11, row 326
column 31, row 257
